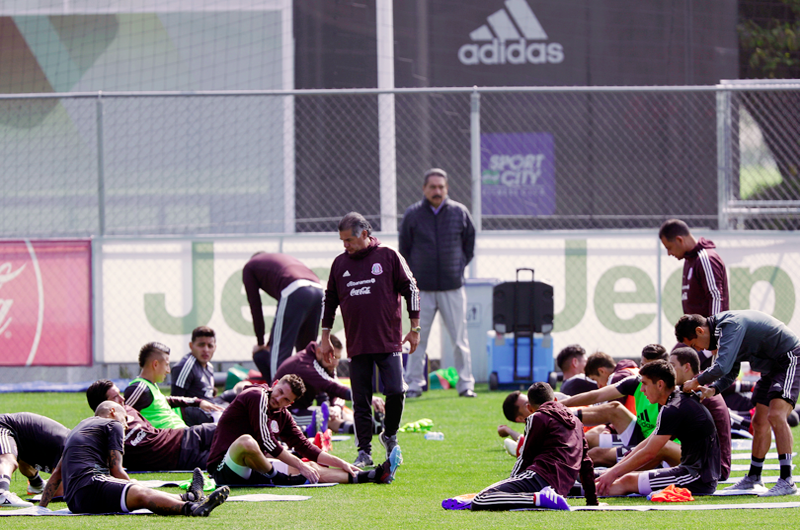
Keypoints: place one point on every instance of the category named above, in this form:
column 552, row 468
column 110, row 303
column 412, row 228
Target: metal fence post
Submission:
column 386, row 116
column 101, row 190
column 475, row 151
column 724, row 153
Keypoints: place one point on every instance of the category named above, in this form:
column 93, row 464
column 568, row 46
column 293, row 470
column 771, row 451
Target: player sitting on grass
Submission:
column 554, row 455
column 681, row 416
column 257, row 424
column 95, row 481
column 608, row 449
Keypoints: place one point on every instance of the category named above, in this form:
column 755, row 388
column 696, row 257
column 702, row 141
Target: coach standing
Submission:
column 437, row 238
column 367, row 281
column 299, row 295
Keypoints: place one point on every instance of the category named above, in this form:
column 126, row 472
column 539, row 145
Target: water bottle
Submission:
column 433, row 435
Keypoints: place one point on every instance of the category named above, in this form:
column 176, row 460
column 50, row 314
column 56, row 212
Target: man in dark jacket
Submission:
column 367, row 281
column 553, row 457
column 437, row 239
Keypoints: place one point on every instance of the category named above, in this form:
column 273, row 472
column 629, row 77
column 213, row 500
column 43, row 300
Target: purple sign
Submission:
column 518, row 174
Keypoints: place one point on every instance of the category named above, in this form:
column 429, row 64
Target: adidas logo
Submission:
column 346, row 274
column 507, row 42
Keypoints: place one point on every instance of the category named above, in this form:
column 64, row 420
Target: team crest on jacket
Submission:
column 274, row 426
column 377, row 269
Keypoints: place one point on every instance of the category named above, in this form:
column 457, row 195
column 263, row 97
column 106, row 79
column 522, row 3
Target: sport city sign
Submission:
column 45, row 303
column 517, row 174
column 506, row 36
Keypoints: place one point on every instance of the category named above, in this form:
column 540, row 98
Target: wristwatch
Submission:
column 417, row 329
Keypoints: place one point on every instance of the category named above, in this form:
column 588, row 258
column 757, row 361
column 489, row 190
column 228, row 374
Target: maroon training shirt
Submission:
column 556, row 449
column 317, row 380
column 704, row 289
column 368, row 285
column 249, row 414
column 271, row 273
column 148, row 448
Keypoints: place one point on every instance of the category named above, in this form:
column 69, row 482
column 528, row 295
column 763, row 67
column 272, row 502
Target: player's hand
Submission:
column 379, row 404
column 603, row 484
column 503, row 431
column 412, row 338
column 706, row 392
column 350, row 468
column 691, row 385
column 325, row 346
column 259, row 347
column 207, row 406
column 311, row 474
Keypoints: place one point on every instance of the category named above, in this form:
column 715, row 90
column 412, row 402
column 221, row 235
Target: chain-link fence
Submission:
column 78, row 165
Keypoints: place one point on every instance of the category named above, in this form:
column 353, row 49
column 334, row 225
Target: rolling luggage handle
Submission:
column 517, row 329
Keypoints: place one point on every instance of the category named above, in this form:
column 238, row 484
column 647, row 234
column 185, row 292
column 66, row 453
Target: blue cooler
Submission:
column 502, row 367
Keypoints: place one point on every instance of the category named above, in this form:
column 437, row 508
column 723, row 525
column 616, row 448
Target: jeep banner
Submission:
column 613, row 291
column 45, row 303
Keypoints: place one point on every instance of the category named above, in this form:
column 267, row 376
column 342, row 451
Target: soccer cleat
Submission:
column 194, row 493
column 548, row 498
column 204, row 507
column 33, row 490
column 386, row 471
column 746, row 483
column 781, row 487
column 9, row 499
column 363, row 460
column 326, row 414
column 457, row 503
column 323, row 440
column 389, row 442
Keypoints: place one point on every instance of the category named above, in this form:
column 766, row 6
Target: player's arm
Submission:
column 633, row 461
column 138, row 396
column 329, row 304
column 730, row 340
column 505, row 430
column 607, row 393
column 327, row 459
column 52, row 486
column 254, row 301
column 115, row 465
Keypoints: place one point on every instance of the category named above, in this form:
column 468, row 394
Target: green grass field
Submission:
column 470, row 458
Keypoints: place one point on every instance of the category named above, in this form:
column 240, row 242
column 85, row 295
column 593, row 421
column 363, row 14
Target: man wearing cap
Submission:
column 437, row 239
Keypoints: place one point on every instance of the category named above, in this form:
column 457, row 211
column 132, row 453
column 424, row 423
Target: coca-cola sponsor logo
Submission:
column 360, row 291
column 7, row 274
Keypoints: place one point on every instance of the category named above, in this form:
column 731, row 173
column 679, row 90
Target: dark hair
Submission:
column 686, row 327
column 295, row 383
column 567, row 354
column 539, row 393
column 335, row 342
column 510, row 409
column 687, row 355
column 96, row 393
column 435, row 172
column 659, row 371
column 150, row 348
column 356, row 223
column 203, row 331
column 655, row 352
column 672, row 228
column 598, row 360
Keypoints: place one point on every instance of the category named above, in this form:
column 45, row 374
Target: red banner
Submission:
column 45, row 303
